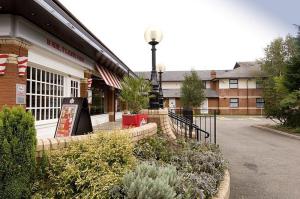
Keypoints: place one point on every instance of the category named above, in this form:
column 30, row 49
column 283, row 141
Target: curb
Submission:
column 224, row 188
column 276, row 131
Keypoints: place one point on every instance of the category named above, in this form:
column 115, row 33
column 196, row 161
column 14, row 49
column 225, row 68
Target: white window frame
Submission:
column 233, row 85
column 47, row 103
column 234, row 102
column 64, row 89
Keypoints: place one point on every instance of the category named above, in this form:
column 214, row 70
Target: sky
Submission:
column 197, row 34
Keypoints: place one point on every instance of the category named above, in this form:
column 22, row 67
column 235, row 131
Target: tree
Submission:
column 135, row 93
column 292, row 74
column 192, row 93
column 17, row 152
column 281, row 67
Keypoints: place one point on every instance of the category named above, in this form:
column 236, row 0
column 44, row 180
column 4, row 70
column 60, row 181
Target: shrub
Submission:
column 87, row 169
column 153, row 148
column 17, row 152
column 149, row 181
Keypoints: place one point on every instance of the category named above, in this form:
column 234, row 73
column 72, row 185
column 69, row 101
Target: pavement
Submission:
column 263, row 165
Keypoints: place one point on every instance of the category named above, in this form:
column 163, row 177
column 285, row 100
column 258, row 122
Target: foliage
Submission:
column 17, row 152
column 282, row 84
column 150, row 181
column 153, row 148
column 201, row 166
column 135, row 93
column 87, row 169
column 192, row 93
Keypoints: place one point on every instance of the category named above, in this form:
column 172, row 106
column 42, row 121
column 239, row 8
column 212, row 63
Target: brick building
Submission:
column 229, row 92
column 47, row 54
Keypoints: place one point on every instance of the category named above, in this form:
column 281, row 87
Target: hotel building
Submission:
column 47, row 54
column 230, row 92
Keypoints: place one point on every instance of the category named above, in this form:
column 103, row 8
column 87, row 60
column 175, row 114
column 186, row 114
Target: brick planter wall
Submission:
column 136, row 134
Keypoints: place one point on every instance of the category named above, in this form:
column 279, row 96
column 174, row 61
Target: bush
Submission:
column 149, row 181
column 17, row 152
column 153, row 148
column 87, row 169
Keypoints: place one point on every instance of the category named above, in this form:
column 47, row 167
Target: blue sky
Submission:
column 198, row 34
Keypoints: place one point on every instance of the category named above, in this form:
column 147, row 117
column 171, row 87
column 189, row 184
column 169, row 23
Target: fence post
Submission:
column 215, row 127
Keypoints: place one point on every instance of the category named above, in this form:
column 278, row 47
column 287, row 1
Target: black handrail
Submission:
column 187, row 122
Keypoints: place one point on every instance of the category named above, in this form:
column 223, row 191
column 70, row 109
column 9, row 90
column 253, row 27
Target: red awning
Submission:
column 110, row 78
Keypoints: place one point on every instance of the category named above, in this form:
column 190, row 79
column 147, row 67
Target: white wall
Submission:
column 171, row 85
column 5, row 25
column 223, row 83
column 99, row 119
column 252, row 83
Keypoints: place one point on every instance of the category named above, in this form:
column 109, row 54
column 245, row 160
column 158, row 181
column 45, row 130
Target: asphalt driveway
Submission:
column 262, row 164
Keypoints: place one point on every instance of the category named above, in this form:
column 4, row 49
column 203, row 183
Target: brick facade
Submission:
column 9, row 80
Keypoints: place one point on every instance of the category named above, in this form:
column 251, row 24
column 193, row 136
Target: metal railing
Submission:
column 201, row 127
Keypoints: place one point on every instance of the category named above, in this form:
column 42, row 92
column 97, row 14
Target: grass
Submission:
column 285, row 129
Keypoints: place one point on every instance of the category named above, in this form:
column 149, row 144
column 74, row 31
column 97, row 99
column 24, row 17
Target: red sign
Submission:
column 64, row 50
column 66, row 120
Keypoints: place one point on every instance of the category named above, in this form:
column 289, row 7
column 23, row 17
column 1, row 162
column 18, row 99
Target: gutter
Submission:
column 49, row 5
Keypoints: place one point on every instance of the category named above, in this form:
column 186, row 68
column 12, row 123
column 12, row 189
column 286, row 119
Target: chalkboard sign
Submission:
column 74, row 118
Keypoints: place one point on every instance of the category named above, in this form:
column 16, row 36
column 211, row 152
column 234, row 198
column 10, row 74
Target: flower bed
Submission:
column 110, row 166
column 171, row 169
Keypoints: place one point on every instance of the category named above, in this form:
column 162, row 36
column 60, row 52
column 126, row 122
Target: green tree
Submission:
column 135, row 93
column 281, row 67
column 192, row 93
column 17, row 152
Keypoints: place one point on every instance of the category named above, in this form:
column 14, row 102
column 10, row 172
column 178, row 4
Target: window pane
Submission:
column 33, row 74
column 28, row 72
column 38, row 75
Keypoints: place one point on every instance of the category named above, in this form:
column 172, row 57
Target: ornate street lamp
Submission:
column 153, row 36
column 160, row 69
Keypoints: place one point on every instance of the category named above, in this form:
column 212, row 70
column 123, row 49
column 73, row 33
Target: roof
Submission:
column 169, row 93
column 179, row 75
column 54, row 18
column 243, row 70
column 240, row 70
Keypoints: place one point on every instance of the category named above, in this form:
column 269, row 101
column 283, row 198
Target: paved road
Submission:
column 262, row 165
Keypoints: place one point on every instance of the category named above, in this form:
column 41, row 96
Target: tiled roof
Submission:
column 209, row 93
column 240, row 70
column 179, row 75
column 243, row 70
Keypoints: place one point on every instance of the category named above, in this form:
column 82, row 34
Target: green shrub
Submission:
column 153, row 148
column 87, row 169
column 149, row 181
column 17, row 152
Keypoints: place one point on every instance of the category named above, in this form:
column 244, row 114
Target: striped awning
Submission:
column 110, row 78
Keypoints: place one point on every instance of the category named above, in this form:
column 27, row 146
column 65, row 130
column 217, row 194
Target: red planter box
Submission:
column 135, row 120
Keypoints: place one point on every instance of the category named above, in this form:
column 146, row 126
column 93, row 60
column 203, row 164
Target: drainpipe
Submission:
column 247, row 99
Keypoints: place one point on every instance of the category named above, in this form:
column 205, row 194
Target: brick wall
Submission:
column 59, row 143
column 9, row 80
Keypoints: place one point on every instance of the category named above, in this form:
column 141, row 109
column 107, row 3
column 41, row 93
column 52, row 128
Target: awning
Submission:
column 110, row 78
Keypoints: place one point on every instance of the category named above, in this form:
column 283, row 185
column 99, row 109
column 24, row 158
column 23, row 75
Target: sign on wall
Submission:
column 74, row 118
column 20, row 93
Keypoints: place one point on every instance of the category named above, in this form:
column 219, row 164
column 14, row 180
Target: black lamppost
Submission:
column 153, row 36
column 160, row 69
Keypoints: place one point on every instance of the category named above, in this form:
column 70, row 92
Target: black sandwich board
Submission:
column 74, row 117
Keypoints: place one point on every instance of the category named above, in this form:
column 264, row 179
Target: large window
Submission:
column 98, row 101
column 234, row 102
column 259, row 84
column 44, row 93
column 233, row 83
column 260, row 103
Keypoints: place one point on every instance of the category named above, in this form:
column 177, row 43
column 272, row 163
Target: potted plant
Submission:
column 135, row 94
column 192, row 95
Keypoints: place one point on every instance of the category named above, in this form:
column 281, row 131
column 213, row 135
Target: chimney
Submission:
column 213, row 74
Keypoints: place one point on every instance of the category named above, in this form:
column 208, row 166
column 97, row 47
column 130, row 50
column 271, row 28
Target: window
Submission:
column 260, row 103
column 44, row 93
column 234, row 102
column 98, row 101
column 233, row 83
column 259, row 84
column 74, row 88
